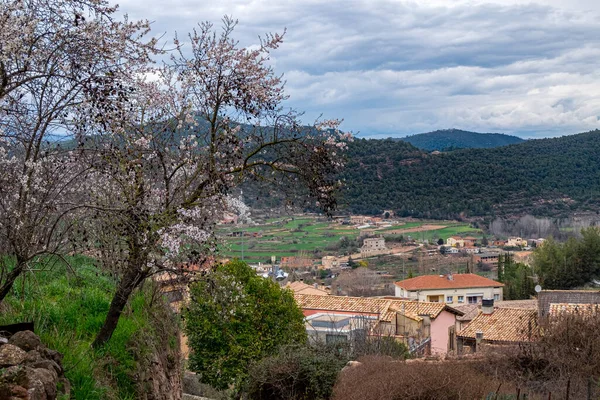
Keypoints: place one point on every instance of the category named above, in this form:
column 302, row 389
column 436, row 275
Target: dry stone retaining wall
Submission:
column 29, row 370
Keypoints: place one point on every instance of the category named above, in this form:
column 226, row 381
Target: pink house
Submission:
column 425, row 327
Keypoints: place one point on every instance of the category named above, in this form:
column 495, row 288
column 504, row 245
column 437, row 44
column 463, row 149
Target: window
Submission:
column 472, row 299
column 461, row 299
column 449, row 299
column 496, row 297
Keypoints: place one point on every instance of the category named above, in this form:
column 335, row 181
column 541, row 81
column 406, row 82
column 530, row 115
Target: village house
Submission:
column 449, row 289
column 470, row 250
column 497, row 326
column 299, row 287
column 486, row 258
column 328, row 262
column 359, row 220
column 372, row 247
column 516, row 242
column 455, row 241
column 470, row 241
column 421, row 325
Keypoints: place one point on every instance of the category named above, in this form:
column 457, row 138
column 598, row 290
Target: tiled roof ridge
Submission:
column 503, row 325
column 431, row 281
column 384, row 307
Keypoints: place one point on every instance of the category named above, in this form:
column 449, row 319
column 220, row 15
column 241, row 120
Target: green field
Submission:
column 314, row 237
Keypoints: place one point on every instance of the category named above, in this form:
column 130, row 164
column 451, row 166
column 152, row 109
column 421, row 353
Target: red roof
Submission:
column 425, row 282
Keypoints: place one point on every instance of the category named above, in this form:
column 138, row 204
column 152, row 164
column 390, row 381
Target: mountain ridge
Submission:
column 551, row 177
column 450, row 139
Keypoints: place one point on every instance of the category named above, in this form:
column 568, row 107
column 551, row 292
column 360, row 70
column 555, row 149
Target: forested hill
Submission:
column 543, row 177
column 456, row 139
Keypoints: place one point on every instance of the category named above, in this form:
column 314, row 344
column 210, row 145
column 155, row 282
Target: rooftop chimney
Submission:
column 487, row 306
column 450, row 277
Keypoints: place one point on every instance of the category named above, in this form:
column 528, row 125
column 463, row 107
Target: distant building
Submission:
column 455, row 241
column 302, row 288
column 359, row 220
column 372, row 247
column 486, row 258
column 515, row 241
column 329, row 262
column 470, row 241
column 449, row 289
column 470, row 250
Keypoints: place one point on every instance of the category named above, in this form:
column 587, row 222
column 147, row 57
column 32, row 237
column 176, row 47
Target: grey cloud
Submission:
column 395, row 67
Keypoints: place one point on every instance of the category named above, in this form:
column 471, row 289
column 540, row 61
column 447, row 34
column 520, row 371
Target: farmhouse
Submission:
column 486, row 258
column 450, row 289
column 372, row 247
column 455, row 241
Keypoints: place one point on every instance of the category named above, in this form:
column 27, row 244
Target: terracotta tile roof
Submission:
column 557, row 309
column 303, row 288
column 531, row 304
column 547, row 297
column 470, row 311
column 386, row 308
column 503, row 325
column 425, row 282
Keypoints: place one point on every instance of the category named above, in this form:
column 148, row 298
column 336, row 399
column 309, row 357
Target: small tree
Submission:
column 236, row 317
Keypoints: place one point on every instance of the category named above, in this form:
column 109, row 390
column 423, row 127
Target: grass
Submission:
column 68, row 311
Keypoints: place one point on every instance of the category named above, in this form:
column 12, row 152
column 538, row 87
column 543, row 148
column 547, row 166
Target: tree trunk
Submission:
column 10, row 280
column 132, row 278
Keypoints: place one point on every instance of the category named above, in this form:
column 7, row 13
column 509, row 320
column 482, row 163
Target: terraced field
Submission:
column 316, row 237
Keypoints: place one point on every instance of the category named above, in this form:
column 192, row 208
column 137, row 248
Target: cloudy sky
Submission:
column 392, row 67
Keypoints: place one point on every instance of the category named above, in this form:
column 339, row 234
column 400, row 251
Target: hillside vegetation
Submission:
column 69, row 306
column 447, row 139
column 555, row 177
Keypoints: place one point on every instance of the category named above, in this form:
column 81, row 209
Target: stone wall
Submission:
column 29, row 370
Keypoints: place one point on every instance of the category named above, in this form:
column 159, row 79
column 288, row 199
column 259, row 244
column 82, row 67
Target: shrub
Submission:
column 295, row 373
column 379, row 378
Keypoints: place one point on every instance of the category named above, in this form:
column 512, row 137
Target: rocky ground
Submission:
column 29, row 370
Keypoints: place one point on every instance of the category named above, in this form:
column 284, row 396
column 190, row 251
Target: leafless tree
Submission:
column 360, row 282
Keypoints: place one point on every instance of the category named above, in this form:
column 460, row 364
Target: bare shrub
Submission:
column 378, row 378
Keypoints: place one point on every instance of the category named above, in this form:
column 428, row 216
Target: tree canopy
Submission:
column 236, row 317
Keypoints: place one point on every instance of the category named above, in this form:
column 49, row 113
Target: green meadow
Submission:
column 315, row 237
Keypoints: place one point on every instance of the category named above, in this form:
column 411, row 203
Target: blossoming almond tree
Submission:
column 166, row 161
column 52, row 53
